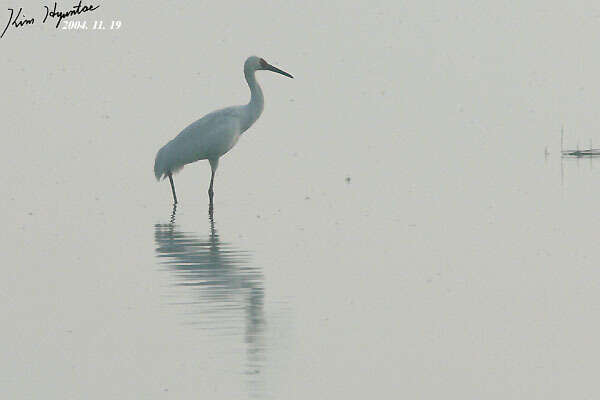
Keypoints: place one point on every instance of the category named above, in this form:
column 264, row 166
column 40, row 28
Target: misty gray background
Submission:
column 458, row 262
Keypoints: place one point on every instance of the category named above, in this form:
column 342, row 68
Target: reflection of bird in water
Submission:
column 230, row 291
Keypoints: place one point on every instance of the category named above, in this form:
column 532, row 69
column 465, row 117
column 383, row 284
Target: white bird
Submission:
column 214, row 134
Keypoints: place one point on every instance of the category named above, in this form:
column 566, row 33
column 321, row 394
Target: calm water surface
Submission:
column 390, row 226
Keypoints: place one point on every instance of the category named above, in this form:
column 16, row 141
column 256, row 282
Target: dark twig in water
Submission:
column 591, row 152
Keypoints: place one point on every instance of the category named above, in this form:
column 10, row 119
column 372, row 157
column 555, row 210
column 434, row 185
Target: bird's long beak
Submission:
column 275, row 69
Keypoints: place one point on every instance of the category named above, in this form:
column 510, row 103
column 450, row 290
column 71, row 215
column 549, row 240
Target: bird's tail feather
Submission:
column 160, row 167
column 165, row 165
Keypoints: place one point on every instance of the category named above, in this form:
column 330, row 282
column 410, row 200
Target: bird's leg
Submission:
column 173, row 187
column 213, row 168
column 210, row 188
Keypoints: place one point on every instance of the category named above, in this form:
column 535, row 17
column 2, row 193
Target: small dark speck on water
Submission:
column 29, row 213
column 307, row 198
column 348, row 179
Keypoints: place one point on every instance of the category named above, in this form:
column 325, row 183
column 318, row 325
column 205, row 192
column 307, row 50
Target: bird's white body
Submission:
column 208, row 138
column 216, row 133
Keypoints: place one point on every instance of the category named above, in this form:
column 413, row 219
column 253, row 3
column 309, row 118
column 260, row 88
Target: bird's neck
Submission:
column 255, row 107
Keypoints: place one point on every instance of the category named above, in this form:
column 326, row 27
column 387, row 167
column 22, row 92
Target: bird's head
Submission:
column 254, row 63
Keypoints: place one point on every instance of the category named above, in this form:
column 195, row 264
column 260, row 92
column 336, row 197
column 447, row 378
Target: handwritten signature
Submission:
column 20, row 20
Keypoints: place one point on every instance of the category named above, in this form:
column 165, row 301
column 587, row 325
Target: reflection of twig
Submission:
column 562, row 172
